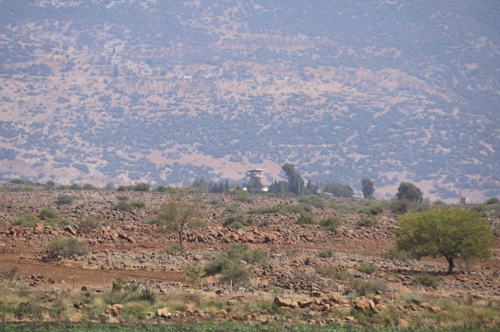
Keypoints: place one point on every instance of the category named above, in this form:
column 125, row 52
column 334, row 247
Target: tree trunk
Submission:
column 450, row 264
column 181, row 233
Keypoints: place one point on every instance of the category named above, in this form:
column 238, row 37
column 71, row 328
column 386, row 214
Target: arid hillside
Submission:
column 125, row 266
column 163, row 92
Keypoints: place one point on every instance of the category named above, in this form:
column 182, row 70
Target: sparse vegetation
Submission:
column 137, row 204
column 492, row 200
column 397, row 255
column 401, row 206
column 330, row 223
column 326, row 253
column 367, row 268
column 312, row 200
column 367, row 222
column 173, row 248
column 25, row 221
column 427, row 280
column 67, row 248
column 48, row 213
column 89, row 223
column 306, row 219
column 193, row 273
column 65, row 199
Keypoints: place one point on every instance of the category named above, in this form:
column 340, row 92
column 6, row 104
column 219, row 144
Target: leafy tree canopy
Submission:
column 449, row 232
column 409, row 191
column 367, row 187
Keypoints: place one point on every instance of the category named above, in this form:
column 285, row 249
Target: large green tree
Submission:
column 295, row 180
column 410, row 192
column 452, row 233
column 367, row 187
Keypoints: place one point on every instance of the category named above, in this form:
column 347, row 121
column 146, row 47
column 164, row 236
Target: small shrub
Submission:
column 243, row 196
column 27, row 308
column 232, row 208
column 401, row 206
column 67, row 248
column 48, row 213
column 123, row 206
column 492, row 200
column 367, row 268
column 137, row 204
column 289, row 209
column 330, row 223
column 397, row 255
column 363, row 288
column 142, row 187
column 58, row 222
column 25, row 221
column 122, row 198
column 193, row 273
column 235, row 272
column 240, row 219
column 330, row 272
column 326, row 253
column 3, row 223
column 90, row 223
column 118, row 285
column 376, row 210
column 312, row 200
column 17, row 181
column 197, row 224
column 236, row 225
column 11, row 274
column 65, row 199
column 173, row 248
column 306, row 219
column 367, row 222
column 123, row 188
column 371, row 209
column 427, row 280
column 148, row 295
column 420, row 207
column 161, row 189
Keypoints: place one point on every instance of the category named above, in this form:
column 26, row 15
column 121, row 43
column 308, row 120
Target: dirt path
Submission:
column 79, row 276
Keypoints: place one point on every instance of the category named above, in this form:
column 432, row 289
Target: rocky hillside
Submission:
column 162, row 92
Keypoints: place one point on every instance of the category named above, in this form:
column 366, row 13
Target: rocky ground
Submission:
column 302, row 284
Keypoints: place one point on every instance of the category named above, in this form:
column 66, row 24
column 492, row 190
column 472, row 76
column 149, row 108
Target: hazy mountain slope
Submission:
column 166, row 91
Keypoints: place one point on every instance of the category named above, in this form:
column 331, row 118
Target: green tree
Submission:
column 338, row 189
column 449, row 232
column 177, row 215
column 409, row 191
column 367, row 187
column 279, row 187
column 295, row 180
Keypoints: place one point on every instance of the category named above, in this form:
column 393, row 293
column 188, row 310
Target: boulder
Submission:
column 283, row 303
column 404, row 324
column 163, row 313
column 305, row 303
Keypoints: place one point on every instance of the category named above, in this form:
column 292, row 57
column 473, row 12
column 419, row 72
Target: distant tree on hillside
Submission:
column 338, row 189
column 367, row 187
column 410, row 192
column 279, row 187
column 295, row 180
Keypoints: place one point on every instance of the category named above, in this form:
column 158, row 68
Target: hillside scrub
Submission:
column 66, row 248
